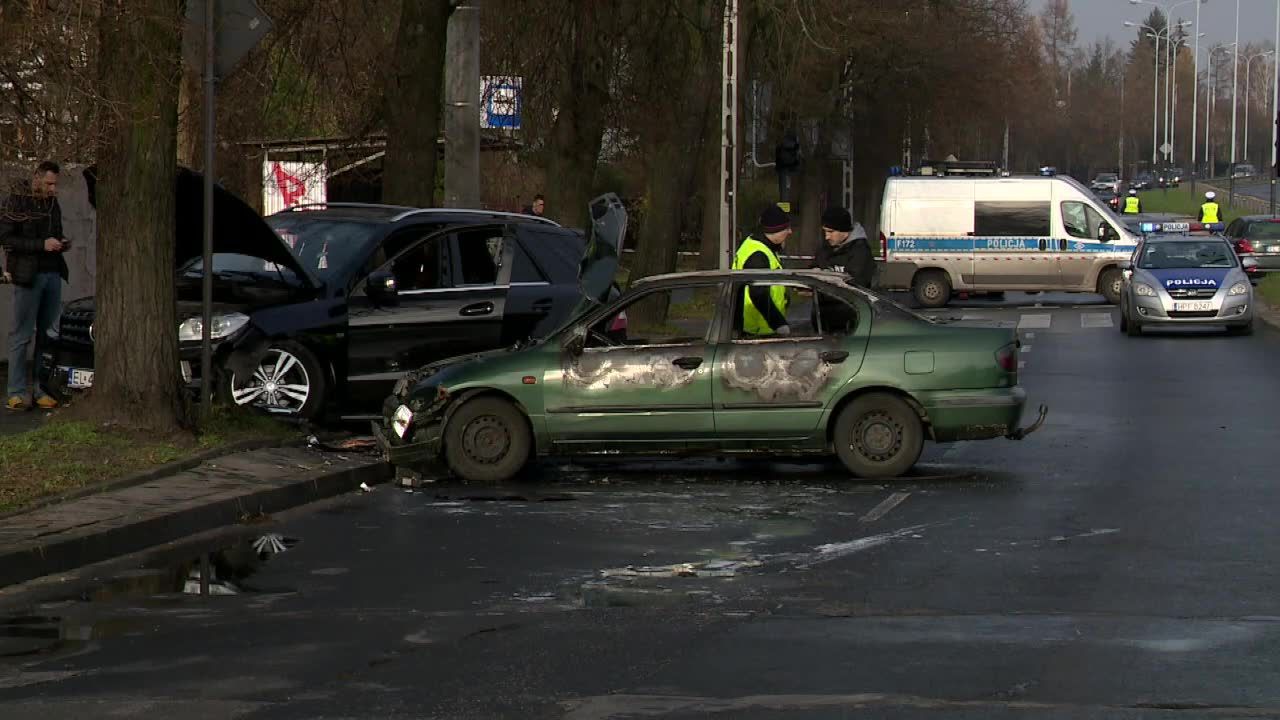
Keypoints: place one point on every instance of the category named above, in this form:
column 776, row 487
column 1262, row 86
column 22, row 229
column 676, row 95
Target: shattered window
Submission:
column 809, row 313
column 671, row 316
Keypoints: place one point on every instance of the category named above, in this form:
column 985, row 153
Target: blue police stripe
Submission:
column 983, row 245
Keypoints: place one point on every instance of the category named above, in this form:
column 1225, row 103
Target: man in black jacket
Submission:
column 31, row 234
column 843, row 252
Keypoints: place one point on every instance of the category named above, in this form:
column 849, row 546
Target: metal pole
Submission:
column 1155, row 104
column 1120, row 140
column 1235, row 86
column 1275, row 109
column 1168, row 75
column 206, row 284
column 1210, row 86
column 1195, row 97
column 729, row 135
column 462, row 117
column 1248, row 73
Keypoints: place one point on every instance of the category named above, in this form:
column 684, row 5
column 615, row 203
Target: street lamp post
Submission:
column 1171, row 80
column 1235, row 85
column 1155, row 87
column 1210, row 102
column 1248, row 74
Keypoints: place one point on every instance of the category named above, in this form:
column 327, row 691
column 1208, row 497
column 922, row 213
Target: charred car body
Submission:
column 320, row 309
column 858, row 376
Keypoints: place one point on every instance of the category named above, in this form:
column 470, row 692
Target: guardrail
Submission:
column 1251, row 205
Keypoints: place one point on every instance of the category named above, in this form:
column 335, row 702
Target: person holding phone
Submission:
column 31, row 234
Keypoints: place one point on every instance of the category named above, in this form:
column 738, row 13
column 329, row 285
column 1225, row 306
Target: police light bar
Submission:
column 1180, row 227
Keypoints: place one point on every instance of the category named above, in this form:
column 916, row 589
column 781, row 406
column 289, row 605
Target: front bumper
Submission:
column 1224, row 310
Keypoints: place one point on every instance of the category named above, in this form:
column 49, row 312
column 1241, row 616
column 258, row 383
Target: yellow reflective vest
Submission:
column 1132, row 205
column 753, row 322
column 1209, row 213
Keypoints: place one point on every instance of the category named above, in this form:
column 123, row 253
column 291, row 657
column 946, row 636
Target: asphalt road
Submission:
column 1119, row 564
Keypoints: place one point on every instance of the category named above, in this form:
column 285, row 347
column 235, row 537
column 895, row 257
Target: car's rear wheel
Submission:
column 878, row 436
column 1111, row 284
column 931, row 288
column 288, row 380
column 487, row 440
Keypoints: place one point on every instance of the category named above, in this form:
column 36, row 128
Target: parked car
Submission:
column 859, row 376
column 1258, row 237
column 320, row 309
column 1143, row 181
column 1243, row 170
column 1170, row 177
column 1106, row 181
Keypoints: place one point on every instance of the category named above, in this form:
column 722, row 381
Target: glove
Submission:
column 783, row 330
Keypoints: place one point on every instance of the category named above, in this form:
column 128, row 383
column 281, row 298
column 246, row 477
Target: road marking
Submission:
column 1042, row 320
column 972, row 317
column 1029, row 335
column 884, row 507
column 1096, row 320
column 1026, row 348
column 1022, row 364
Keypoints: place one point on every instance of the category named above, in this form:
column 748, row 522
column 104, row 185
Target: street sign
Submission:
column 240, row 25
column 501, row 98
column 1165, row 149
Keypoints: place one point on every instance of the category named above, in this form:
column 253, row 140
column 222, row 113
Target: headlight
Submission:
column 400, row 421
column 1143, row 289
column 221, row 327
column 1239, row 289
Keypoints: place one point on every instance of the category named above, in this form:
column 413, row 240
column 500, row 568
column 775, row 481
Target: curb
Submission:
column 1270, row 314
column 155, row 473
column 29, row 563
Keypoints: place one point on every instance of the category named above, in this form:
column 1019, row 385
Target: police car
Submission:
column 1183, row 273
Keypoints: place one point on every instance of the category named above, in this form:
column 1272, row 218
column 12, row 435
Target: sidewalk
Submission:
column 132, row 517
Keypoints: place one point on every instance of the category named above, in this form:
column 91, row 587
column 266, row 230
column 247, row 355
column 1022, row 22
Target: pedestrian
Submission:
column 1133, row 203
column 31, row 233
column 764, row 307
column 845, row 248
column 537, row 208
column 1210, row 211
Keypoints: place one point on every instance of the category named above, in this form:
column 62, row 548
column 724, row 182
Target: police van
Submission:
column 942, row 235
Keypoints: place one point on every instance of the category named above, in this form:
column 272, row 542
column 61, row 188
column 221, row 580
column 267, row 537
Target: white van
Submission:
column 944, row 235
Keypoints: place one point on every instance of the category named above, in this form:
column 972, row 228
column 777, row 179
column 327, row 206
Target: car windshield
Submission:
column 1186, row 254
column 325, row 245
column 1263, row 231
column 1107, row 177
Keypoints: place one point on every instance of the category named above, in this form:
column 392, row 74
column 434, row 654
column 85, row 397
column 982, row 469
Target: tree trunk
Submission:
column 190, row 119
column 576, row 136
column 136, row 381
column 413, row 104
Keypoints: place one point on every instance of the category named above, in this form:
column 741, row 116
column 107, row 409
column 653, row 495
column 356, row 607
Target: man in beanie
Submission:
column 764, row 308
column 844, row 250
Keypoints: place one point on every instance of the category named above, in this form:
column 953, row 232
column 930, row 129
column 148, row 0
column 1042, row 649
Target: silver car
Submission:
column 1186, row 279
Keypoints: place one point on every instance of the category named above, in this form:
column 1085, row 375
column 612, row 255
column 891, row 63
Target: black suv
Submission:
column 320, row 309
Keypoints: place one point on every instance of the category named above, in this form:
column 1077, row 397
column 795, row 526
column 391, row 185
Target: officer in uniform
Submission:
column 764, row 308
column 1210, row 212
column 1133, row 203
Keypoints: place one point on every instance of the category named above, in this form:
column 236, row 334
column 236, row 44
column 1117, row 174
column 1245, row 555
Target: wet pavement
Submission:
column 1117, row 564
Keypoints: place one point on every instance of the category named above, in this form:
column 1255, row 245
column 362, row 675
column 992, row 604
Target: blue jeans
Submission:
column 35, row 310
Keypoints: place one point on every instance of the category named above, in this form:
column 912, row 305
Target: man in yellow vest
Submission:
column 764, row 308
column 1210, row 212
column 1133, row 203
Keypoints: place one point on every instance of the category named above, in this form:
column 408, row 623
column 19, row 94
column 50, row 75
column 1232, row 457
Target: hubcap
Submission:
column 878, row 437
column 280, row 384
column 932, row 291
column 486, row 440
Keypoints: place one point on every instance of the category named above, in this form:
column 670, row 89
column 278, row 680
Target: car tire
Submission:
column 1246, row 329
column 931, row 289
column 878, row 436
column 1109, row 285
column 487, row 440
column 284, row 360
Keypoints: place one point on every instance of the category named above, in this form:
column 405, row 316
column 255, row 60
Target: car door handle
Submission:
column 483, row 308
column 834, row 357
column 688, row 363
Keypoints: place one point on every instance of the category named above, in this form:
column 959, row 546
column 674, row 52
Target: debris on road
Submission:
column 707, row 569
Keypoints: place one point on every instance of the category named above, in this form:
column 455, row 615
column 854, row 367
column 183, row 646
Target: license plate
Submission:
column 79, row 379
column 1176, row 227
column 1204, row 306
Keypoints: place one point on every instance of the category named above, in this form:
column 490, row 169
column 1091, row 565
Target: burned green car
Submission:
column 665, row 369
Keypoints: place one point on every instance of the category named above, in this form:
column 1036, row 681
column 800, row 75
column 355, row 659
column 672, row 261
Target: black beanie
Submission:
column 774, row 219
column 837, row 218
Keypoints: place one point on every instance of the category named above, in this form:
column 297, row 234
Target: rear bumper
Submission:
column 974, row 414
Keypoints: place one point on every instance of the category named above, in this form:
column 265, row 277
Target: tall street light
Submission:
column 1210, row 100
column 1168, row 14
column 1248, row 73
column 1235, row 85
column 1155, row 88
column 1173, row 119
column 1170, row 86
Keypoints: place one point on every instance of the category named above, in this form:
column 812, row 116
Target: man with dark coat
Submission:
column 31, row 234
column 843, row 250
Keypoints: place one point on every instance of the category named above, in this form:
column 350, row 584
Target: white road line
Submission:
column 1022, row 364
column 1096, row 320
column 1029, row 336
column 1043, row 320
column 884, row 507
column 972, row 317
column 1026, row 348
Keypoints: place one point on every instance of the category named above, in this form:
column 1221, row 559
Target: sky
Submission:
column 1098, row 18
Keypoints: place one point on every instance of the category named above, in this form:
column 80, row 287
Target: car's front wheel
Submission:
column 878, row 435
column 487, row 440
column 288, row 380
column 1111, row 285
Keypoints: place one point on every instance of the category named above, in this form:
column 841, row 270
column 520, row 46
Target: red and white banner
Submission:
column 286, row 184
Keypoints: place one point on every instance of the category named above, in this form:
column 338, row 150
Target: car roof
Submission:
column 1174, row 237
column 831, row 277
column 376, row 212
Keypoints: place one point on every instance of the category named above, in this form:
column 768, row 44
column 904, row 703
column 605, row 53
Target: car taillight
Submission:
column 1244, row 246
column 1007, row 358
column 884, row 246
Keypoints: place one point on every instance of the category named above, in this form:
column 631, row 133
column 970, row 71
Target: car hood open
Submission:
column 237, row 228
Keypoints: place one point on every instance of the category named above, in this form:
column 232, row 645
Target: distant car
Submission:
column 858, row 376
column 1257, row 237
column 1186, row 279
column 1243, row 170
column 1109, row 197
column 1143, row 181
column 1171, row 177
column 1106, row 181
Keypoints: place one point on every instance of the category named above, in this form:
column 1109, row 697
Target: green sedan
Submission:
column 667, row 369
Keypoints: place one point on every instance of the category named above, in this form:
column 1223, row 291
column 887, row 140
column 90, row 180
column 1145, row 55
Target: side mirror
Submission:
column 381, row 289
column 1105, row 233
